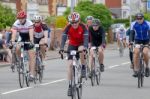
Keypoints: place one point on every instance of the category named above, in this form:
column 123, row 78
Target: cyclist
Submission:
column 40, row 34
column 140, row 34
column 78, row 40
column 121, row 35
column 89, row 20
column 97, row 39
column 25, row 29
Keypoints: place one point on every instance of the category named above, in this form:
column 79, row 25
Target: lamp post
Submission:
column 72, row 5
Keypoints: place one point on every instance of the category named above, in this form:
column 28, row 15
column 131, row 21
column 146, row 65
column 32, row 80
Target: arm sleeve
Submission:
column 132, row 33
column 103, row 36
column 64, row 37
column 148, row 29
column 86, row 37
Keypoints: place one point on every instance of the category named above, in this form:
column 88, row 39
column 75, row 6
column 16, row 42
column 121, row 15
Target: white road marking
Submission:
column 17, row 90
column 113, row 66
column 52, row 82
column 4, row 93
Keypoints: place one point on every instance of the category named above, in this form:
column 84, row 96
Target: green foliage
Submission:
column 50, row 20
column 147, row 16
column 86, row 8
column 61, row 21
column 7, row 17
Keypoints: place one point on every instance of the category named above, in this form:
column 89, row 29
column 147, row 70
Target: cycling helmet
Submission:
column 139, row 15
column 89, row 18
column 121, row 27
column 74, row 17
column 95, row 22
column 21, row 14
column 37, row 18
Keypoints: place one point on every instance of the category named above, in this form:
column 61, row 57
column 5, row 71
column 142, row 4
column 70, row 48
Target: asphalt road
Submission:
column 116, row 82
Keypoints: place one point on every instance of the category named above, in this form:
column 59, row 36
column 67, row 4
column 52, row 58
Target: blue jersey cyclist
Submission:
column 140, row 34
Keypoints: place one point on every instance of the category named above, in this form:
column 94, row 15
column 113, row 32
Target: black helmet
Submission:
column 96, row 22
column 89, row 18
column 139, row 15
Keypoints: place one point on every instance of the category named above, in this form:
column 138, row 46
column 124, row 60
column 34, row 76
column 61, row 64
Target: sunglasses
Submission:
column 74, row 22
column 95, row 25
column 139, row 18
column 37, row 22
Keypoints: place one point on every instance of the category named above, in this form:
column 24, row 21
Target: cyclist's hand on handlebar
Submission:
column 31, row 45
column 61, row 51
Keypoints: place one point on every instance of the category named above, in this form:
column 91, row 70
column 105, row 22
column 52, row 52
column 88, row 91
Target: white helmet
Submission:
column 74, row 17
column 37, row 18
column 121, row 27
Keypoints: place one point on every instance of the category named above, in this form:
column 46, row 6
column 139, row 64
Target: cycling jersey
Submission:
column 121, row 34
column 97, row 37
column 76, row 37
column 140, row 31
column 23, row 29
column 39, row 30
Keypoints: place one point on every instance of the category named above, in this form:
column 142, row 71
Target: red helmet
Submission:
column 74, row 17
column 21, row 14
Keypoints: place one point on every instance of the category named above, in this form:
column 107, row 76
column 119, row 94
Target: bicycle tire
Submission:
column 21, row 75
column 79, row 91
column 98, row 77
column 27, row 80
column 139, row 80
column 93, row 78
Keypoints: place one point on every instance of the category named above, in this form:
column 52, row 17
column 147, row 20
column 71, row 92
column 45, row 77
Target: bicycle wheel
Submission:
column 27, row 80
column 21, row 74
column 139, row 80
column 121, row 49
column 79, row 91
column 40, row 69
column 93, row 76
column 98, row 76
column 74, row 92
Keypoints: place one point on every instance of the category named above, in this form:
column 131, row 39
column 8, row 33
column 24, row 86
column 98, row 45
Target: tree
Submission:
column 99, row 11
column 7, row 17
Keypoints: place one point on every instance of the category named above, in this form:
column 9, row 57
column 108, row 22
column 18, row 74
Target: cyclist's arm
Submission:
column 14, row 33
column 64, row 37
column 31, row 31
column 149, row 30
column 86, row 37
column 45, row 28
column 132, row 32
column 103, row 36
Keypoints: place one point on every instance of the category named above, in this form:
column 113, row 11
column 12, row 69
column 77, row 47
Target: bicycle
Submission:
column 95, row 71
column 76, row 81
column 23, row 66
column 39, row 67
column 121, row 48
column 141, row 71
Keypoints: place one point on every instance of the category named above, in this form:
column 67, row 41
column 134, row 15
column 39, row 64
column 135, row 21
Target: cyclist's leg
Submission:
column 146, row 59
column 43, row 49
column 101, row 58
column 136, row 61
column 91, row 59
column 31, row 54
column 118, row 42
column 82, row 58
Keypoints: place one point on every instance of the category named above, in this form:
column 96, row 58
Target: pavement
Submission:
column 54, row 54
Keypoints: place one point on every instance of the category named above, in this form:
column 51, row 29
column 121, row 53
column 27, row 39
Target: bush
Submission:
column 7, row 17
column 99, row 11
column 60, row 22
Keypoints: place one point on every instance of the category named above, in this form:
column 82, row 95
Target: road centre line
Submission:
column 21, row 89
column 52, row 82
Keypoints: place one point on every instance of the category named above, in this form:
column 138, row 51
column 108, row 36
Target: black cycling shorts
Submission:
column 25, row 38
column 37, row 40
column 71, row 47
column 144, row 42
